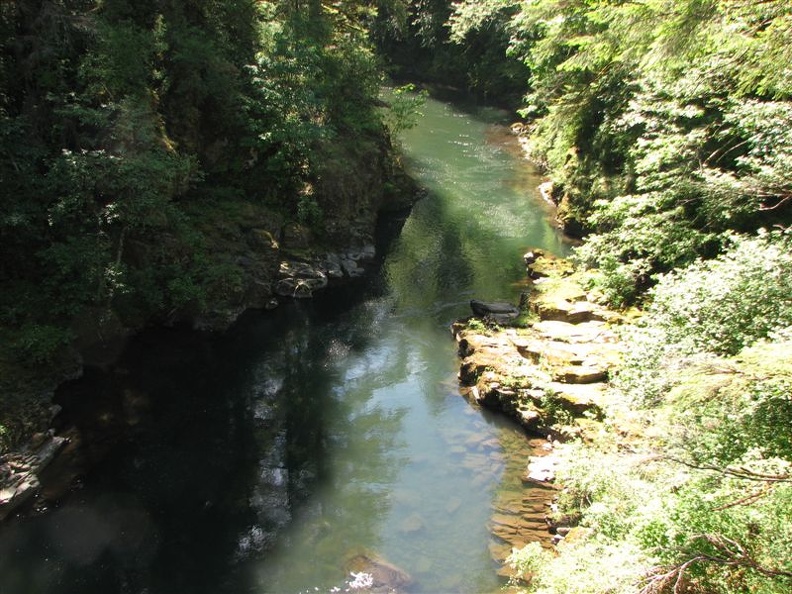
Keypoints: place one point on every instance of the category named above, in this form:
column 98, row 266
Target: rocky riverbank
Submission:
column 548, row 368
column 276, row 261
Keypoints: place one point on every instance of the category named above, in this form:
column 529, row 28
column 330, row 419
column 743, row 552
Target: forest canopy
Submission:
column 666, row 130
column 132, row 133
column 116, row 118
column 136, row 137
column 664, row 125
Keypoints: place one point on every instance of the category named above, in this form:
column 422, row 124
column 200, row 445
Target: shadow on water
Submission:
column 189, row 442
column 261, row 459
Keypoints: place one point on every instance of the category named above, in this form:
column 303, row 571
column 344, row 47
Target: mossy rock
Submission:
column 543, row 264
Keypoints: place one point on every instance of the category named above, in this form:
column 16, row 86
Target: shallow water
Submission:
column 261, row 460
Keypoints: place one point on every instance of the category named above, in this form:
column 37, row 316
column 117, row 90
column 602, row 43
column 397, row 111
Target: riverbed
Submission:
column 263, row 459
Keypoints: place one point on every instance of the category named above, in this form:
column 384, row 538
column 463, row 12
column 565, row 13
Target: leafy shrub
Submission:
column 713, row 306
column 404, row 108
column 724, row 535
column 42, row 343
column 724, row 304
column 309, row 212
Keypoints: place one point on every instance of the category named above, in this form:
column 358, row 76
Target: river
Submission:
column 260, row 460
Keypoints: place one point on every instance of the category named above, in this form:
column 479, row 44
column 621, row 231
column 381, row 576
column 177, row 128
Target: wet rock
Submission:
column 412, row 524
column 496, row 309
column 19, row 482
column 332, row 264
column 379, row 574
column 301, row 278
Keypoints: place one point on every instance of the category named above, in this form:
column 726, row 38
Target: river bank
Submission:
column 338, row 427
column 279, row 261
column 633, row 507
column 548, row 369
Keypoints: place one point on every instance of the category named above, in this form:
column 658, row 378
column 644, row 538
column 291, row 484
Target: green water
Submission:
column 260, row 460
column 414, row 470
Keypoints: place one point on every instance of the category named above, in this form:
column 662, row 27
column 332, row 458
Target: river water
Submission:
column 261, row 460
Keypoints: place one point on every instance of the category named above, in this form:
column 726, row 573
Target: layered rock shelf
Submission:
column 19, row 482
column 550, row 373
column 548, row 369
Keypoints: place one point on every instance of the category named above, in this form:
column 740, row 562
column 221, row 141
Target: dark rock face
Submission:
column 256, row 256
column 299, row 279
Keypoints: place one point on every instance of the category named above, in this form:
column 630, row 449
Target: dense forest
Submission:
column 135, row 138
column 154, row 156
column 666, row 131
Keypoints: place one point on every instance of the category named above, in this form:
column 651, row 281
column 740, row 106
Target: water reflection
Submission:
column 260, row 460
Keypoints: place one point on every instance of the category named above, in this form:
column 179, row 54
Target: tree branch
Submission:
column 741, row 473
column 730, row 553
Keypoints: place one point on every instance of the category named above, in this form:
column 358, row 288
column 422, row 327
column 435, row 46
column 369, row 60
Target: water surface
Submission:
column 260, row 460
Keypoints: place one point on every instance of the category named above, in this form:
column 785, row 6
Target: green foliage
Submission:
column 117, row 118
column 731, row 539
column 664, row 125
column 589, row 568
column 431, row 49
column 476, row 325
column 554, row 411
column 712, row 306
column 309, row 212
column 724, row 304
column 41, row 344
column 743, row 405
column 403, row 109
column 702, row 498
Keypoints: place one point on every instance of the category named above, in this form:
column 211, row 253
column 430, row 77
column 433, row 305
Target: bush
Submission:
column 724, row 304
column 42, row 343
column 715, row 306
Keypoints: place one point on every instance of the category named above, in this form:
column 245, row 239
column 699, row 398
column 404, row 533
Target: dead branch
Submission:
column 740, row 473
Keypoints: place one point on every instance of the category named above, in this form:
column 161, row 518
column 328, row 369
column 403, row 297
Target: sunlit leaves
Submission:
column 724, row 304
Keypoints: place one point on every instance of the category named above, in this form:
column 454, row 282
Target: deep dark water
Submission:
column 259, row 459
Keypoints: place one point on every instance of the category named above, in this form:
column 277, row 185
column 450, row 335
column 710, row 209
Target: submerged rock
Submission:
column 375, row 574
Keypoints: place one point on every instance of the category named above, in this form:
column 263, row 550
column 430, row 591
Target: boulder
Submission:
column 376, row 574
column 497, row 311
